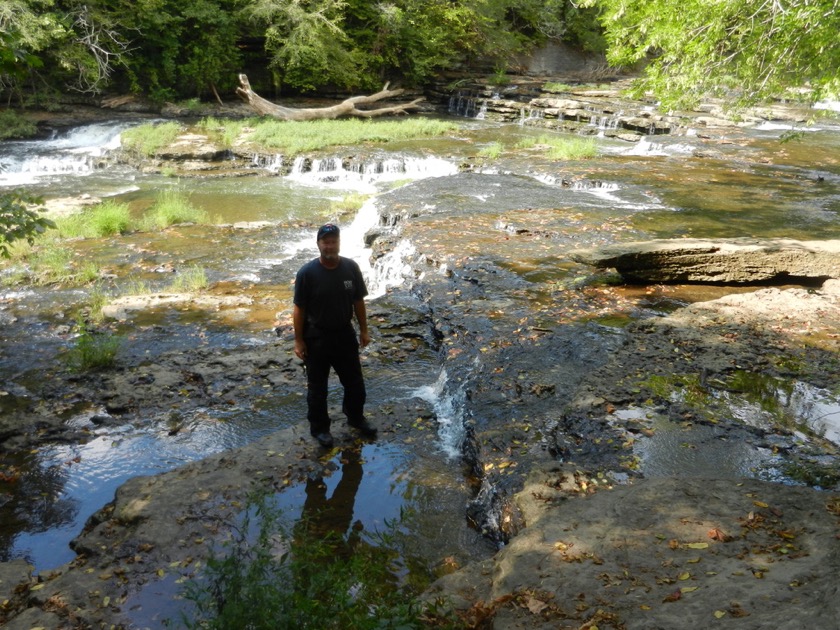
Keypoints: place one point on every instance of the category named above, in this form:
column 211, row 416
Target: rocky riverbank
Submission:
column 556, row 442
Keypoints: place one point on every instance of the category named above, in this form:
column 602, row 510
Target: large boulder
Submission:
column 729, row 261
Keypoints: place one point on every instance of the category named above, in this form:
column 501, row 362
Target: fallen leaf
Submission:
column 673, row 597
column 536, row 606
column 760, row 504
column 685, row 576
column 720, row 614
column 698, row 545
column 688, row 589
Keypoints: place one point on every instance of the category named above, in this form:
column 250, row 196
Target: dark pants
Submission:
column 339, row 351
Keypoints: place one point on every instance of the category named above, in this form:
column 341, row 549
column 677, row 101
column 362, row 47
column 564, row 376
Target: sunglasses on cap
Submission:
column 326, row 230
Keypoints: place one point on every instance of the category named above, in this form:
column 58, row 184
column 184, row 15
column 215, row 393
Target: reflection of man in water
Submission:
column 330, row 518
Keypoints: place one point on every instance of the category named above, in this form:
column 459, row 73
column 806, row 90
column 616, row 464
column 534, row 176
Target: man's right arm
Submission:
column 298, row 319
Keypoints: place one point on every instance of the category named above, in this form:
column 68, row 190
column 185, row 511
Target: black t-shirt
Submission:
column 327, row 295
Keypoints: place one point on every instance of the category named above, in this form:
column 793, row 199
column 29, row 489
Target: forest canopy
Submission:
column 744, row 50
column 169, row 49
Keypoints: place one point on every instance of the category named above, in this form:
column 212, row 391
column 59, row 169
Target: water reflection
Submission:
column 329, row 517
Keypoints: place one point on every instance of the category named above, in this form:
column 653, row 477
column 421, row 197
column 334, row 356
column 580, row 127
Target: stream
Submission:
column 749, row 184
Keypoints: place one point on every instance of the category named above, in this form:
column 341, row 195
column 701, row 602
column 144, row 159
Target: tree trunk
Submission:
column 345, row 108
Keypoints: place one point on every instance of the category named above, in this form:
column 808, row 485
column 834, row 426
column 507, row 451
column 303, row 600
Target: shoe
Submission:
column 364, row 427
column 324, row 439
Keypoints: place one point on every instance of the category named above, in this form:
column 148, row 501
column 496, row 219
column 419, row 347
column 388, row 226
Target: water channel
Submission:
column 749, row 185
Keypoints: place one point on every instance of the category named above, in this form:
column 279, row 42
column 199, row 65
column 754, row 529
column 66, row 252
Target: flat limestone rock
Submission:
column 726, row 261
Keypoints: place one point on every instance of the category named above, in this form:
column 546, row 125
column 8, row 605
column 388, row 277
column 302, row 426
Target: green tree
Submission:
column 746, row 50
column 18, row 219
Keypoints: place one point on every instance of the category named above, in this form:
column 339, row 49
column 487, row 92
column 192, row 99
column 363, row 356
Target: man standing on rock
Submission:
column 329, row 290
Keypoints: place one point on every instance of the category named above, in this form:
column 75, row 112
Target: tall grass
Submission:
column 92, row 350
column 572, row 148
column 170, row 208
column 149, row 138
column 105, row 219
column 492, row 151
column 291, row 137
column 191, row 280
column 349, row 204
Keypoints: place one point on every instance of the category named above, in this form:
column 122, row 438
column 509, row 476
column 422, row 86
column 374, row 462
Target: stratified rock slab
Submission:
column 728, row 261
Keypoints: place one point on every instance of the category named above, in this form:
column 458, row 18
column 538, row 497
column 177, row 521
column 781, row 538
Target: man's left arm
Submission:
column 361, row 316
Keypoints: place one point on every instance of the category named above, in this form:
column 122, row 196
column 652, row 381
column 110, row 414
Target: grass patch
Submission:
column 105, row 219
column 54, row 264
column 492, row 151
column 191, row 280
column 268, row 577
column 92, row 350
column 172, row 208
column 349, row 204
column 149, row 138
column 569, row 148
column 225, row 131
column 291, row 138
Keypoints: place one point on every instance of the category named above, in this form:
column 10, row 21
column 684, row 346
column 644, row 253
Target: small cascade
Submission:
column 366, row 173
column 462, row 105
column 605, row 123
column 74, row 153
column 448, row 405
column 391, row 270
column 482, row 112
column 533, row 114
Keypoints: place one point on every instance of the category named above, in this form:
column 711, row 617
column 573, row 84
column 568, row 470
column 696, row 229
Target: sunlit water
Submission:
column 659, row 187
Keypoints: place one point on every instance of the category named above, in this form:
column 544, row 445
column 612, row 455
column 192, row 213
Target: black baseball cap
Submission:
column 326, row 230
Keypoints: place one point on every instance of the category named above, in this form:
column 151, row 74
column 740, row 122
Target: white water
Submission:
column 448, row 406
column 74, row 153
column 365, row 176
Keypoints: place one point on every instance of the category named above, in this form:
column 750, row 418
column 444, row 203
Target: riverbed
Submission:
column 479, row 321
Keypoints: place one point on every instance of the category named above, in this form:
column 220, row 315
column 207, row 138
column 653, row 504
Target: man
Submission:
column 329, row 290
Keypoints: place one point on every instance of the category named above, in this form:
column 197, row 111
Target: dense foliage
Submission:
column 746, row 50
column 186, row 48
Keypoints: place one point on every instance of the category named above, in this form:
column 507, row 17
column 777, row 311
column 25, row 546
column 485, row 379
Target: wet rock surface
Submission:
column 588, row 537
column 734, row 261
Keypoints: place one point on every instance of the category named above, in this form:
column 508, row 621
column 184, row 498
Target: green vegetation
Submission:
column 14, row 126
column 741, row 50
column 563, row 147
column 105, row 219
column 20, row 220
column 349, row 204
column 291, row 138
column 54, row 264
column 271, row 578
column 492, row 151
column 149, row 138
column 171, row 208
column 569, row 148
column 191, row 280
column 92, row 350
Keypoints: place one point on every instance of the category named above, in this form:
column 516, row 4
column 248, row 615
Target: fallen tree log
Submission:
column 348, row 107
column 727, row 261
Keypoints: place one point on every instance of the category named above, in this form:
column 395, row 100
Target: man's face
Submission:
column 329, row 247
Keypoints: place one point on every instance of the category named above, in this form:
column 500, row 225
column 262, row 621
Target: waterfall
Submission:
column 482, row 112
column 448, row 405
column 364, row 175
column 24, row 162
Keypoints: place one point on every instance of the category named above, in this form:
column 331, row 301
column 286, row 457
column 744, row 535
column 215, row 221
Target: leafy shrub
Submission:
column 14, row 126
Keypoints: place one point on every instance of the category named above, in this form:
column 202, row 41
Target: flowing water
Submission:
column 661, row 187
